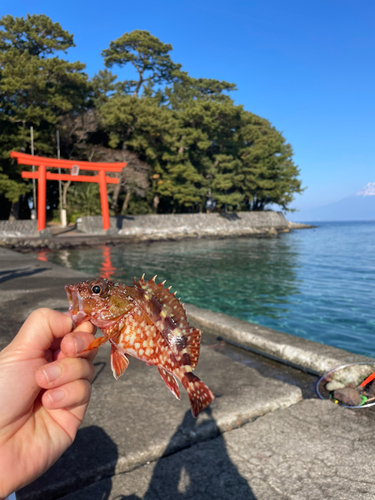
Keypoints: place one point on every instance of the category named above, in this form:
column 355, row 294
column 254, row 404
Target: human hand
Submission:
column 44, row 393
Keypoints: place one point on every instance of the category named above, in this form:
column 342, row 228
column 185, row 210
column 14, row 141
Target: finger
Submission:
column 64, row 371
column 74, row 343
column 68, row 396
column 50, row 353
column 41, row 328
column 75, row 349
column 87, row 326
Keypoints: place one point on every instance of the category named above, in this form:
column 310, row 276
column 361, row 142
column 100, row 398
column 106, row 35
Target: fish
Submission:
column 145, row 321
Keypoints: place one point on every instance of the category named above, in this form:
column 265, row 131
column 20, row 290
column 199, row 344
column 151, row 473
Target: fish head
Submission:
column 99, row 301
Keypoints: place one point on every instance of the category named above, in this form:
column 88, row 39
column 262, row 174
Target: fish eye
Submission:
column 96, row 289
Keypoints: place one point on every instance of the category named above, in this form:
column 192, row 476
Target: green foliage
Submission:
column 147, row 54
column 184, row 139
column 103, row 86
column 83, row 199
column 185, row 89
column 12, row 188
column 270, row 174
column 138, row 206
column 207, row 148
column 37, row 35
column 34, row 90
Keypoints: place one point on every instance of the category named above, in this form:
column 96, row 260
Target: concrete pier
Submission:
column 267, row 436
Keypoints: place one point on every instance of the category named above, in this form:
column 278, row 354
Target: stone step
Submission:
column 314, row 450
column 137, row 420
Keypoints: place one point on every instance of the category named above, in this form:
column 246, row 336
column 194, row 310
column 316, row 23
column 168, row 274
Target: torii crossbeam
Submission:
column 43, row 175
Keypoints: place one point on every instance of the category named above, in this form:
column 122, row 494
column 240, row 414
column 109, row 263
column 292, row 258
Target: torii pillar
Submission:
column 43, row 175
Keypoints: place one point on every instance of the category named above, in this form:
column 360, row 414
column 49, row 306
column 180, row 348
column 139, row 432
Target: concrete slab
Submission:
column 136, row 419
column 319, row 358
column 27, row 283
column 311, row 451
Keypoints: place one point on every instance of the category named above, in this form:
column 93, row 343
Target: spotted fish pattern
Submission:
column 145, row 321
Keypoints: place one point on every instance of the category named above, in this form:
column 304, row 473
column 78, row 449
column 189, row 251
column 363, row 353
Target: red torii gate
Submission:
column 43, row 175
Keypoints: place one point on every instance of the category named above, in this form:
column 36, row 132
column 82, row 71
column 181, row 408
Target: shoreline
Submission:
column 307, row 355
column 145, row 229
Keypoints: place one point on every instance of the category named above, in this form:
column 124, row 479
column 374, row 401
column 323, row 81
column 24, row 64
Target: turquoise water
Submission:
column 317, row 283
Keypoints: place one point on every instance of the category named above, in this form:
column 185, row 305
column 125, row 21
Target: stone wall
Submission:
column 18, row 228
column 166, row 226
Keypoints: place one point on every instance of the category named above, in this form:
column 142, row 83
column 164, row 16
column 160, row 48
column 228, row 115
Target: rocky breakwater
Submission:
column 23, row 235
column 180, row 226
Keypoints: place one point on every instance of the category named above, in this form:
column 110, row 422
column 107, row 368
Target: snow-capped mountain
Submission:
column 360, row 206
column 368, row 190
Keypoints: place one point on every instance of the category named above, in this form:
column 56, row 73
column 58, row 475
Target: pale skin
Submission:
column 40, row 414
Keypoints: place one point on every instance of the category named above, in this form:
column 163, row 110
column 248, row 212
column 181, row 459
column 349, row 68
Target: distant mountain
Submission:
column 368, row 190
column 360, row 206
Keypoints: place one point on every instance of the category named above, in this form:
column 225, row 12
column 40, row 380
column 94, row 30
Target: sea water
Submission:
column 314, row 283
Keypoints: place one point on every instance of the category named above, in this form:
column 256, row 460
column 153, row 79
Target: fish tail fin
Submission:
column 199, row 394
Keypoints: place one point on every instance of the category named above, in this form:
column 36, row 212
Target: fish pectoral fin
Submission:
column 170, row 382
column 96, row 343
column 119, row 362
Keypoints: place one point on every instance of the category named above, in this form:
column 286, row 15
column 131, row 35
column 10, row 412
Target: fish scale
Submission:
column 147, row 322
column 169, row 316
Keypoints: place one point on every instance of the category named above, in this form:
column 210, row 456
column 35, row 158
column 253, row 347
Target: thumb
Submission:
column 41, row 328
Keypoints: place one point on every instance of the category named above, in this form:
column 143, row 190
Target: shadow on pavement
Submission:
column 203, row 472
column 92, row 456
column 11, row 274
column 87, row 470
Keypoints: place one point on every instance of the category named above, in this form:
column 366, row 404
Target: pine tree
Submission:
column 270, row 175
column 148, row 55
column 36, row 88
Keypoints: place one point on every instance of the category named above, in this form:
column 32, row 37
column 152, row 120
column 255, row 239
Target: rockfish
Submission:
column 147, row 322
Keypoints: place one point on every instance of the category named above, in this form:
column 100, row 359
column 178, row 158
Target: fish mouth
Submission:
column 75, row 310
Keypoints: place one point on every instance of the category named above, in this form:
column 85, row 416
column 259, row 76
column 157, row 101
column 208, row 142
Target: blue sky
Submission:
column 308, row 67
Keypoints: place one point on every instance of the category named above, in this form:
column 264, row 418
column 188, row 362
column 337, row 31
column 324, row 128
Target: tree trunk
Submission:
column 126, row 202
column 181, row 149
column 15, row 211
column 65, row 190
column 116, row 193
column 139, row 85
column 155, row 204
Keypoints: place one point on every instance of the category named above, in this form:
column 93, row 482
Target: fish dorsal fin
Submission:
column 169, row 316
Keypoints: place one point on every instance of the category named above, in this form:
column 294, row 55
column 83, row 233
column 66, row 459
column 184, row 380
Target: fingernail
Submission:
column 56, row 396
column 52, row 372
column 79, row 343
